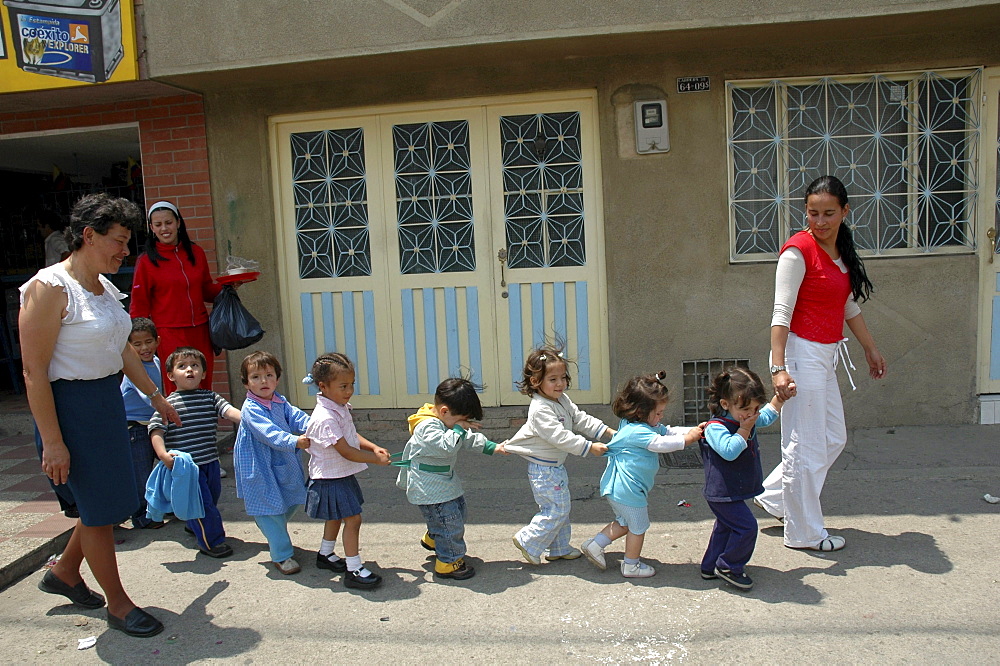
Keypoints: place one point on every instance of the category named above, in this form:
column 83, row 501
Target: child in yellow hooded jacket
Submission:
column 427, row 470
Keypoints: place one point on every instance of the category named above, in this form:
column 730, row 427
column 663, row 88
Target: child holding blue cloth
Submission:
column 733, row 474
column 269, row 475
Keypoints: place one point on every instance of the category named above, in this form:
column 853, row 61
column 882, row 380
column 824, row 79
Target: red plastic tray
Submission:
column 238, row 277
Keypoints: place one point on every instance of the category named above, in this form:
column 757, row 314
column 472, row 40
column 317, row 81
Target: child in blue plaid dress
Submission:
column 269, row 476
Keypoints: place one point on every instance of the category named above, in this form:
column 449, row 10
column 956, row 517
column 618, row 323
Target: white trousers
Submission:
column 813, row 434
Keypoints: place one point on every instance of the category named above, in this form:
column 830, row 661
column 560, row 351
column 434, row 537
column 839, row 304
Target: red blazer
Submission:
column 173, row 294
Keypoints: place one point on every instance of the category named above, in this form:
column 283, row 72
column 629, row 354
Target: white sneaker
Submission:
column 532, row 559
column 594, row 553
column 223, row 473
column 288, row 567
column 637, row 570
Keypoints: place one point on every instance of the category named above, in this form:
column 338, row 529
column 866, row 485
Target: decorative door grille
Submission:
column 543, row 190
column 434, row 197
column 331, row 203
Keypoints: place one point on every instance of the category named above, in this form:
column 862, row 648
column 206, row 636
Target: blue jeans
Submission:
column 733, row 538
column 550, row 528
column 275, row 530
column 142, row 464
column 446, row 525
column 208, row 530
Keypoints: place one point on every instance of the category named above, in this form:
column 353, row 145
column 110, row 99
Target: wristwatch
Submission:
column 778, row 368
column 154, row 394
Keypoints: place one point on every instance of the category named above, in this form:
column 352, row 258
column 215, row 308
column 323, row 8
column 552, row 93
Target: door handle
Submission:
column 991, row 233
column 502, row 258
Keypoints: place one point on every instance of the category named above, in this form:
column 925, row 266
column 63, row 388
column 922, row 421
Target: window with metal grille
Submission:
column 904, row 144
column 698, row 376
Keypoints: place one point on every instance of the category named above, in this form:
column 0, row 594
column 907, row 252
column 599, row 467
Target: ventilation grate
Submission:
column 698, row 376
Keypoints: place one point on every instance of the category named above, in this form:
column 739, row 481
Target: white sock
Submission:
column 354, row 563
column 326, row 547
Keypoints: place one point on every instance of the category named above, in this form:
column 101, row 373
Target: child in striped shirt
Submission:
column 199, row 410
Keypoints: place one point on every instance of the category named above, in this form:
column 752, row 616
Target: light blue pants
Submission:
column 550, row 528
column 275, row 530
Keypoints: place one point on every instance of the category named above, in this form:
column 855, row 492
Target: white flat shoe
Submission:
column 827, row 545
column 594, row 553
column 637, row 570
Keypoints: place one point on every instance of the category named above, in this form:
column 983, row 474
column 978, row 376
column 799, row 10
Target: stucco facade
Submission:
column 672, row 292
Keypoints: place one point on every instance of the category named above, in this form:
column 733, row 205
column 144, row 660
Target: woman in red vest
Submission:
column 171, row 286
column 818, row 283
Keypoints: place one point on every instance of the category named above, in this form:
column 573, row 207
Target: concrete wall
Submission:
column 185, row 36
column 679, row 298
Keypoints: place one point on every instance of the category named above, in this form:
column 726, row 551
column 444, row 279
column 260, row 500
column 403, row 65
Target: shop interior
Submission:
column 41, row 177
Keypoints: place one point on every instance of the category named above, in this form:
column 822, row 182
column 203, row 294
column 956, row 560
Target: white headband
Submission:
column 164, row 204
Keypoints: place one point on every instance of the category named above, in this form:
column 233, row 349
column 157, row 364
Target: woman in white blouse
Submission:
column 74, row 343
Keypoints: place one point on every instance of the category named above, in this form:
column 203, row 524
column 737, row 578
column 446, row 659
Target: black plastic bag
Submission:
column 231, row 325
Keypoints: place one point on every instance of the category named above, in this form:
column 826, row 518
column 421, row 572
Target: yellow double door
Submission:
column 440, row 240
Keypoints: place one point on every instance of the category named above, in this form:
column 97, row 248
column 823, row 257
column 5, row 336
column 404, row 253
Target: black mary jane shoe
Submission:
column 79, row 594
column 369, row 582
column 137, row 623
column 338, row 565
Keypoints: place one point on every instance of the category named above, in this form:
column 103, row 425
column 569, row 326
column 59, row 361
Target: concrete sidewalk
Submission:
column 917, row 582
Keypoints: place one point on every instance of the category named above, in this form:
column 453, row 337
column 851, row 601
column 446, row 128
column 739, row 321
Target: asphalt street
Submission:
column 917, row 583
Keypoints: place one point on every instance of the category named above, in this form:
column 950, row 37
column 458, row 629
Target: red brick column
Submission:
column 174, row 161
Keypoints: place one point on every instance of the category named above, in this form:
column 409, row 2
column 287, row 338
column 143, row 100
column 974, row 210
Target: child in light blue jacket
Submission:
column 632, row 466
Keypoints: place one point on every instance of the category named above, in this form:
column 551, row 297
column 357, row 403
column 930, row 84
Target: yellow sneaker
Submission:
column 457, row 570
column 427, row 542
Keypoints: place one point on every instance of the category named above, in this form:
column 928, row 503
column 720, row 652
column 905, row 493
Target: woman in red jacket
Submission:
column 171, row 286
column 819, row 282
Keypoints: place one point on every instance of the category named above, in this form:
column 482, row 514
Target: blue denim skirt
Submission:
column 334, row 499
column 101, row 482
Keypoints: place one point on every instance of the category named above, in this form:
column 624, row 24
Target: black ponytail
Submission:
column 861, row 286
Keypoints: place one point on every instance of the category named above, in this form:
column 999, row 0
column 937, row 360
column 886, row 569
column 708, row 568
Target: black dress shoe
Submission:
column 338, row 565
column 137, row 623
column 369, row 582
column 79, row 594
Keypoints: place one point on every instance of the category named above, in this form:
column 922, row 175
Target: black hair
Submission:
column 637, row 399
column 737, row 386
column 182, row 238
column 536, row 365
column 326, row 368
column 186, row 352
column 143, row 325
column 51, row 219
column 258, row 360
column 861, row 286
column 459, row 395
column 100, row 212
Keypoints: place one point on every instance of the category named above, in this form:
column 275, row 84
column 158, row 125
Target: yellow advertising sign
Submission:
column 50, row 44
